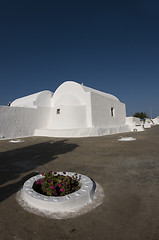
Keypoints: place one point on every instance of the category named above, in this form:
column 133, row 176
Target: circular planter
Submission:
column 68, row 203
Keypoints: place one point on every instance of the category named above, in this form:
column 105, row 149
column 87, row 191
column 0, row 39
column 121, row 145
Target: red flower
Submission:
column 38, row 181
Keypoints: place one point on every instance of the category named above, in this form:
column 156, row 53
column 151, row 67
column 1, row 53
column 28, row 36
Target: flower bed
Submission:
column 79, row 197
column 55, row 184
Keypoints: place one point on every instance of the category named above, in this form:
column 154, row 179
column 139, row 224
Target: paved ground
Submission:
column 127, row 171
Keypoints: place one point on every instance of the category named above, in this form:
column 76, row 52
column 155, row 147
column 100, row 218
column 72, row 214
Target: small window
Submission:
column 58, row 111
column 112, row 111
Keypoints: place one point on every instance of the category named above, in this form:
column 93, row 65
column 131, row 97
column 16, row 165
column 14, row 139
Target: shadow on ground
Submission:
column 23, row 160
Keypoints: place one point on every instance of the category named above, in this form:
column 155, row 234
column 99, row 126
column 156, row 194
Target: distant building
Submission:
column 156, row 120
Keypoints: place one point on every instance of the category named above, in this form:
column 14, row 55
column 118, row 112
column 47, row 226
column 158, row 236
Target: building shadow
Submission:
column 24, row 160
column 8, row 190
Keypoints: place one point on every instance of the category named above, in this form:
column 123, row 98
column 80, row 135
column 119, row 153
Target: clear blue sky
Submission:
column 112, row 46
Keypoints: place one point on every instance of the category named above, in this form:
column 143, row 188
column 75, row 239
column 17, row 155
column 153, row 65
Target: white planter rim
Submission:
column 67, row 203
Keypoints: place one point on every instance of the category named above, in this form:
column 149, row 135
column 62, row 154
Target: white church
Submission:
column 73, row 110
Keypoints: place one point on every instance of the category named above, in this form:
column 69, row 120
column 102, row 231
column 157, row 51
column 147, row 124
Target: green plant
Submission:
column 141, row 115
column 55, row 184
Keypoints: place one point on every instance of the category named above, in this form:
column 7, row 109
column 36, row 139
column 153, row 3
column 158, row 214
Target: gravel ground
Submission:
column 128, row 172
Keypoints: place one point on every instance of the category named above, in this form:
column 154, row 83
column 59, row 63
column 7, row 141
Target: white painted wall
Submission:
column 107, row 95
column 83, row 107
column 68, row 88
column 156, row 120
column 135, row 124
column 101, row 111
column 75, row 107
column 19, row 122
column 83, row 111
column 133, row 120
column 70, row 117
column 40, row 99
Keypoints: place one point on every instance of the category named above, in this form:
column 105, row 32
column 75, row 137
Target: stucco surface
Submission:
column 73, row 109
column 127, row 172
column 156, row 120
column 110, row 96
column 19, row 122
column 101, row 112
column 84, row 109
column 40, row 99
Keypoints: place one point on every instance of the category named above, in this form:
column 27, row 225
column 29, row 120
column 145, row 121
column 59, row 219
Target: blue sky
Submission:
column 112, row 46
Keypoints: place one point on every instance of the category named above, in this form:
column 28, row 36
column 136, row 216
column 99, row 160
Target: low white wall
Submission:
column 135, row 124
column 156, row 120
column 133, row 120
column 20, row 122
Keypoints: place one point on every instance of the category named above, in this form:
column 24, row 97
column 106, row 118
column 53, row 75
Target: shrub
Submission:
column 55, row 184
column 141, row 115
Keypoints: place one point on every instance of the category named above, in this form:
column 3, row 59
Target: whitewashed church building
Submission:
column 72, row 111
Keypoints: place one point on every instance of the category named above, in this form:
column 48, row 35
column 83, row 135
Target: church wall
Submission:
column 68, row 117
column 74, row 106
column 107, row 112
